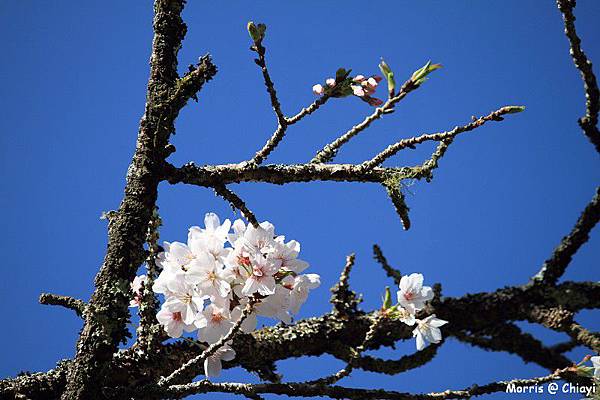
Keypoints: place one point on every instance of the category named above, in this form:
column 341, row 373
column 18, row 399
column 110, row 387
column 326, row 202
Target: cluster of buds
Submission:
column 364, row 87
column 344, row 85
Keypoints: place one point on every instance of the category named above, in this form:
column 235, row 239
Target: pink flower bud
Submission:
column 358, row 91
column 318, row 89
column 358, row 78
column 330, row 82
column 372, row 82
column 377, row 78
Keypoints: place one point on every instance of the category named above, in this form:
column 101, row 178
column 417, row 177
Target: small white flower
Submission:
column 210, row 278
column 212, row 364
column 412, row 294
column 136, row 288
column 287, row 254
column 215, row 324
column 405, row 316
column 260, row 277
column 301, row 286
column 171, row 318
column 330, row 82
column 276, row 305
column 358, row 90
column 176, row 253
column 186, row 295
column 318, row 89
column 358, row 78
column 239, row 227
column 211, row 239
column 427, row 331
column 596, row 364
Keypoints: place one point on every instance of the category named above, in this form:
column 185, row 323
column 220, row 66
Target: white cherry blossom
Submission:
column 211, row 279
column 210, row 239
column 136, row 288
column 188, row 296
column 276, row 305
column 287, row 254
column 212, row 364
column 301, row 286
column 428, row 331
column 216, row 323
column 208, row 282
column 171, row 318
column 260, row 278
column 596, row 364
column 412, row 294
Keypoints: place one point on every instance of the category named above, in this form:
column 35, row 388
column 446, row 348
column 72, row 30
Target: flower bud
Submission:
column 318, row 89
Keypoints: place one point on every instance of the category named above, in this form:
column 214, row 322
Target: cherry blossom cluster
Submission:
column 412, row 297
column 343, row 85
column 208, row 281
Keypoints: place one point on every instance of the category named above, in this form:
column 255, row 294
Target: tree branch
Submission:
column 411, row 142
column 339, row 392
column 72, row 303
column 329, row 152
column 236, row 202
column 107, row 314
column 554, row 267
column 389, row 270
column 589, row 122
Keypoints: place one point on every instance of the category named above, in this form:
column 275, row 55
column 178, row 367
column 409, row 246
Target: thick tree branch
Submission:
column 509, row 338
column 107, row 314
column 209, row 176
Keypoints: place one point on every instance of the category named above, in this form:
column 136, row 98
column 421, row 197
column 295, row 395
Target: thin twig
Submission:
column 328, row 152
column 355, row 354
column 212, row 349
column 343, row 299
column 411, row 142
column 279, row 133
column 236, row 202
column 389, row 270
column 554, row 267
column 308, row 110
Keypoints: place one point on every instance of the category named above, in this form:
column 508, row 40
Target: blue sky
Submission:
column 73, row 78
